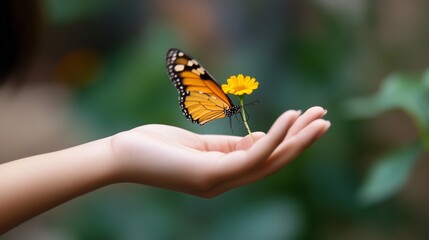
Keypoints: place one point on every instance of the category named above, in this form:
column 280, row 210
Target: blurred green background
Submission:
column 100, row 70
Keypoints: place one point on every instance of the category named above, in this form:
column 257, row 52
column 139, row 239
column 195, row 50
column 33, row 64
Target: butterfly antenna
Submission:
column 241, row 116
column 252, row 103
column 230, row 124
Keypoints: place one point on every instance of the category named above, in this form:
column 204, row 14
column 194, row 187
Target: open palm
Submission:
column 208, row 165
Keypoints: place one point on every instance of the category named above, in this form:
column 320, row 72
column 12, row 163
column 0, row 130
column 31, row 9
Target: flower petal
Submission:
column 240, row 84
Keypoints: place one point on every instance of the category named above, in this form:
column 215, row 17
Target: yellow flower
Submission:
column 239, row 85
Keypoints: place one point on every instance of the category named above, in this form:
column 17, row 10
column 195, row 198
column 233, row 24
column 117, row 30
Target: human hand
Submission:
column 208, row 165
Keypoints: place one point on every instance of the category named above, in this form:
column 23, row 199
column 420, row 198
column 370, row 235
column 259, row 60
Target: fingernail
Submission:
column 328, row 125
column 325, row 112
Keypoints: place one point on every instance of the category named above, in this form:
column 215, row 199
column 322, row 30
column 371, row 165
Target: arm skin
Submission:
column 156, row 155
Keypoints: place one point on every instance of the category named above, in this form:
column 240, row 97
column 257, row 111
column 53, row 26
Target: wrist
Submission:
column 107, row 165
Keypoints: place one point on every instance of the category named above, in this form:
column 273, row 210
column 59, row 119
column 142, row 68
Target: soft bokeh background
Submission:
column 100, row 69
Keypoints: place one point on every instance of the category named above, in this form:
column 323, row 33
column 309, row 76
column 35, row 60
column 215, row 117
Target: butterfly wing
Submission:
column 200, row 96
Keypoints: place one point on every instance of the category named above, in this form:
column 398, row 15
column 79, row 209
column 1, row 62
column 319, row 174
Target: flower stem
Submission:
column 243, row 114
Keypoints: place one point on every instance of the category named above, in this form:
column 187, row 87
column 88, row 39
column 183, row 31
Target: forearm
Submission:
column 35, row 184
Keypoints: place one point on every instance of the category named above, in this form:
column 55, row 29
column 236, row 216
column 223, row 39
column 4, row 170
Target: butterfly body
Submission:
column 200, row 97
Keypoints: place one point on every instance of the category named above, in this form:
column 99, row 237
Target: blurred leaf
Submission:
column 63, row 12
column 403, row 91
column 388, row 175
column 362, row 107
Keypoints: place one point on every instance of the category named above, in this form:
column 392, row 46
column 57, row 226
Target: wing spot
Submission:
column 179, row 67
column 198, row 71
column 192, row 63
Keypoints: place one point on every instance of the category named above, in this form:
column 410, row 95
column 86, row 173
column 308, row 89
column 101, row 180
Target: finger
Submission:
column 264, row 147
column 238, row 162
column 290, row 150
column 295, row 145
column 310, row 115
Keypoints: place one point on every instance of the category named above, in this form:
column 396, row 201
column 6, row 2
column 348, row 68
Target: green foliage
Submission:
column 63, row 12
column 409, row 93
column 389, row 173
column 405, row 91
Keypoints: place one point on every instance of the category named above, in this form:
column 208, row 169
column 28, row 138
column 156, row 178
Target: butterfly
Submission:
column 200, row 97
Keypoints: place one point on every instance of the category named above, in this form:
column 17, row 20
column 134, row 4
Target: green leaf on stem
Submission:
column 388, row 175
column 405, row 91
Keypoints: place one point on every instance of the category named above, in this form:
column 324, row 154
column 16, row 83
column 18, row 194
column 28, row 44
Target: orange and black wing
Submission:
column 200, row 96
